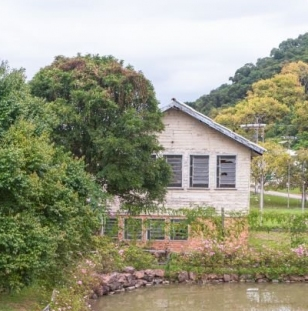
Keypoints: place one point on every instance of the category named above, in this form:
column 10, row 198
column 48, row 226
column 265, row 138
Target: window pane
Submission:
column 226, row 168
column 111, row 227
column 133, row 229
column 156, row 229
column 178, row 229
column 175, row 161
column 199, row 171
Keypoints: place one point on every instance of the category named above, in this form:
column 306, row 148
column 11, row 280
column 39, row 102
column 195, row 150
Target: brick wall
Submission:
column 195, row 240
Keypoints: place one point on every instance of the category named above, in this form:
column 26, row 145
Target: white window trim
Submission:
column 191, row 185
column 182, row 170
column 218, row 181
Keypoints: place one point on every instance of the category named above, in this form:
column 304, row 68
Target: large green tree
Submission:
column 49, row 206
column 108, row 114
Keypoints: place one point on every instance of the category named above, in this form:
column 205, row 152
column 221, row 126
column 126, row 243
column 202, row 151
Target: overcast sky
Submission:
column 185, row 47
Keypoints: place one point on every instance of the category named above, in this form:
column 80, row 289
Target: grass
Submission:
column 271, row 201
column 272, row 239
column 31, row 298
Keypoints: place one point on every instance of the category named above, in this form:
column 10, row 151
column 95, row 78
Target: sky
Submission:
column 186, row 48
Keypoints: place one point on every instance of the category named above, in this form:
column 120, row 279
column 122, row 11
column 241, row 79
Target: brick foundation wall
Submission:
column 195, row 240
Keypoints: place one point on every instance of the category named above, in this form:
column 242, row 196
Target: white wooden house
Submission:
column 211, row 168
column 211, row 164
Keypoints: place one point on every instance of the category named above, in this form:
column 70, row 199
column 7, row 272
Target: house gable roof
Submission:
column 208, row 121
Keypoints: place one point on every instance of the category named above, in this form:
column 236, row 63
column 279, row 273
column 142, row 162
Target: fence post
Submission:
column 223, row 221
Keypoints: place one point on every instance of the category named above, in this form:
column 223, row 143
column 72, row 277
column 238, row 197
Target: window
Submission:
column 156, row 229
column 175, row 162
column 178, row 229
column 111, row 227
column 133, row 228
column 199, row 171
column 226, row 171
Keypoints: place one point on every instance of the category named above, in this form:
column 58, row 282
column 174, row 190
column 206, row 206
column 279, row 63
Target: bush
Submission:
column 139, row 259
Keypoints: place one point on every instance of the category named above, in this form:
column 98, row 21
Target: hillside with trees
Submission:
column 279, row 102
column 227, row 95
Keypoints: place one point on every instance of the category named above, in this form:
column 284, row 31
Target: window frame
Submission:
column 111, row 223
column 137, row 232
column 157, row 231
column 177, row 177
column 177, row 234
column 224, row 170
column 192, row 173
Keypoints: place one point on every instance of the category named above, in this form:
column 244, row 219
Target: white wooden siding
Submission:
column 184, row 135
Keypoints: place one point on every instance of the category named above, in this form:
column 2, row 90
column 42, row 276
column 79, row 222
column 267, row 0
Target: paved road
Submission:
column 282, row 194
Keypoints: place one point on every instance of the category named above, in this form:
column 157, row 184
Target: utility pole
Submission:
column 303, row 186
column 288, row 140
column 257, row 126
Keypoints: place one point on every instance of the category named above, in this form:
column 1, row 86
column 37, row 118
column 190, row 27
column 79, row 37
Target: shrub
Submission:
column 139, row 259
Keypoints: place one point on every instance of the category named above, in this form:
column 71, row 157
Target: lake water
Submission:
column 218, row 297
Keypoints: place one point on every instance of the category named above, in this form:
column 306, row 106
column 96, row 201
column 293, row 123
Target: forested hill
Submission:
column 228, row 95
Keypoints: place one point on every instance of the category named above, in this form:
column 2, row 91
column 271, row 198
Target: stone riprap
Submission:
column 131, row 279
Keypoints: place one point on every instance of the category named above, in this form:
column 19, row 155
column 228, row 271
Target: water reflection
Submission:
column 220, row 297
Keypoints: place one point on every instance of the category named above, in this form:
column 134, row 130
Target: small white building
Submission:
column 211, row 168
column 210, row 163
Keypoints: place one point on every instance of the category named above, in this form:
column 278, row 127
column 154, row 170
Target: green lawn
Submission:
column 271, row 201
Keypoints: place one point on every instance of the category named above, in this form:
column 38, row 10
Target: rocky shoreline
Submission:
column 131, row 279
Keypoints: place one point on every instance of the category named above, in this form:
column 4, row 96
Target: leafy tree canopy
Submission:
column 226, row 95
column 280, row 102
column 49, row 205
column 108, row 114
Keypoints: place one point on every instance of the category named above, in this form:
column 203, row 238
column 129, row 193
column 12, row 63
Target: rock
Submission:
column 234, row 277
column 109, row 278
column 115, row 285
column 212, row 277
column 166, row 282
column 130, row 270
column 120, row 291
column 227, row 278
column 183, row 276
column 157, row 280
column 98, row 291
column 192, row 276
column 159, row 272
column 139, row 284
column 139, row 274
column 262, row 280
column 94, row 296
column 149, row 275
column 296, row 278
